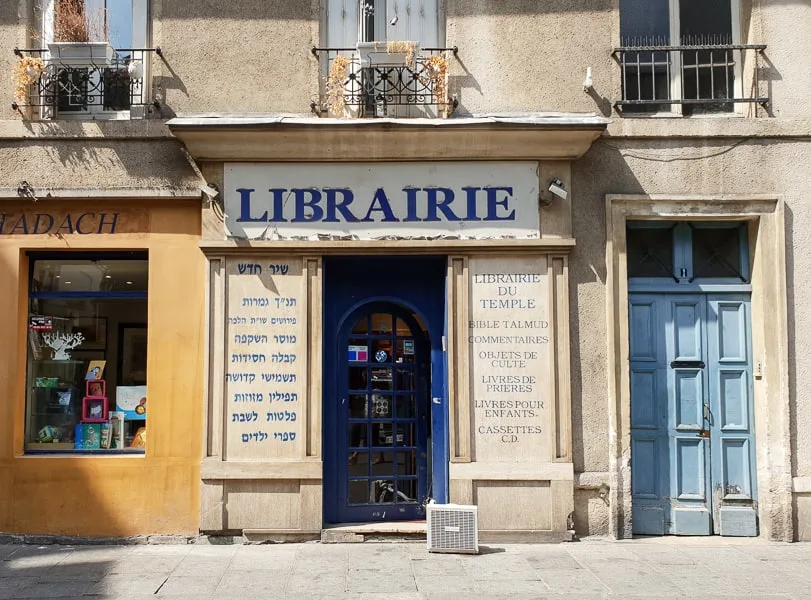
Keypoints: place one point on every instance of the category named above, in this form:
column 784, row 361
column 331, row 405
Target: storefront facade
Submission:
column 391, row 332
column 89, row 305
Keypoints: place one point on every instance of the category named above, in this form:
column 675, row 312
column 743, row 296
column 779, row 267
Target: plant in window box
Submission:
column 80, row 39
column 388, row 54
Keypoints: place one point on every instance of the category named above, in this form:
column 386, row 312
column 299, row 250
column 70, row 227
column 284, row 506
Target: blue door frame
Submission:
column 415, row 285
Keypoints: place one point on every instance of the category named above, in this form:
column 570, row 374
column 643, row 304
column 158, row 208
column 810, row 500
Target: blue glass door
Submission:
column 382, row 417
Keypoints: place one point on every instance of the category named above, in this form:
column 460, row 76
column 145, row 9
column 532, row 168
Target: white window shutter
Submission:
column 417, row 21
column 342, row 23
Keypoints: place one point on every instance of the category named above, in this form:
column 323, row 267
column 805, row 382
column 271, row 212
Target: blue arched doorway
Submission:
column 385, row 409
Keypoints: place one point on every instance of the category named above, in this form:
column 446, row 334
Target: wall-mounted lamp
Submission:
column 556, row 188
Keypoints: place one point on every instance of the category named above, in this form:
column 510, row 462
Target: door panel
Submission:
column 691, row 415
column 649, row 440
column 732, row 429
column 689, row 452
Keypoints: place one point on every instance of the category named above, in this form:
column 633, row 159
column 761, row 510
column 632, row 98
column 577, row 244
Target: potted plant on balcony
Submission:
column 395, row 53
column 80, row 39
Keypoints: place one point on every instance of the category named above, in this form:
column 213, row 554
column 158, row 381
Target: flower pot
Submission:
column 374, row 54
column 82, row 54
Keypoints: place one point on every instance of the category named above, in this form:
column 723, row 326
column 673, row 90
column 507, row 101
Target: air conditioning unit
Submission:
column 452, row 528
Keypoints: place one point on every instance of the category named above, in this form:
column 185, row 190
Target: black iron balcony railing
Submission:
column 96, row 88
column 700, row 78
column 356, row 89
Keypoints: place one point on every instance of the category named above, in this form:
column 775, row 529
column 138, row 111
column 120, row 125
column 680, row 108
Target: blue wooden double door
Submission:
column 692, row 429
column 385, row 408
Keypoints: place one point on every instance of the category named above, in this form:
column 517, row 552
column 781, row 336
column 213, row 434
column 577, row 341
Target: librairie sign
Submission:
column 382, row 200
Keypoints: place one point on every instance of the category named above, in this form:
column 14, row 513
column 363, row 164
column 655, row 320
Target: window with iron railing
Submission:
column 384, row 58
column 94, row 61
column 686, row 57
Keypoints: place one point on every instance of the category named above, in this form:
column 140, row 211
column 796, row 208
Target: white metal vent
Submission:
column 452, row 528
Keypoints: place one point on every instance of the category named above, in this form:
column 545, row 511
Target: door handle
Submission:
column 706, row 412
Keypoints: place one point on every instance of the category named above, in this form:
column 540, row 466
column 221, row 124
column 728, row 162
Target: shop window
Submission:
column 86, row 379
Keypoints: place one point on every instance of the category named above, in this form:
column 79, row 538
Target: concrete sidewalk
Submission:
column 647, row 568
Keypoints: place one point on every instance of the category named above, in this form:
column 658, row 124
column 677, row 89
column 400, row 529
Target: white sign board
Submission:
column 382, row 200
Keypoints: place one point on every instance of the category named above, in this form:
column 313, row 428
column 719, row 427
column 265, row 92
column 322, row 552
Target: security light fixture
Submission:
column 210, row 189
column 556, row 187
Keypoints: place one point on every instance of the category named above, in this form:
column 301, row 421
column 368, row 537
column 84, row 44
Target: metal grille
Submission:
column 93, row 89
column 701, row 74
column 391, row 90
column 452, row 528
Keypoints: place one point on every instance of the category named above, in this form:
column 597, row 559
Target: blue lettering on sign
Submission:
column 340, row 205
column 45, row 223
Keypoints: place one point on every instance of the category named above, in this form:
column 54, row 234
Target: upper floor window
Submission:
column 383, row 59
column 685, row 57
column 96, row 58
column 353, row 21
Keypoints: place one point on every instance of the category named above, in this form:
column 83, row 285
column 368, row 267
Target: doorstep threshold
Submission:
column 349, row 533
column 380, row 527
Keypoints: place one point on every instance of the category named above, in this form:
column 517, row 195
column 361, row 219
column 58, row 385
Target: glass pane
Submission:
column 403, row 329
column 406, row 351
column 358, row 350
column 381, row 406
column 407, row 490
column 357, row 406
column 717, row 252
column 86, row 362
column 381, row 379
column 381, row 324
column 650, row 252
column 405, row 406
column 405, row 380
column 358, row 378
column 705, row 21
column 405, row 434
column 379, row 433
column 407, row 462
column 362, row 326
column 358, row 435
column 383, row 491
column 90, row 275
column 381, row 351
column 644, row 21
column 358, row 491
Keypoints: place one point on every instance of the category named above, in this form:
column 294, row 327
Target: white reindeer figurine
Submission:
column 60, row 343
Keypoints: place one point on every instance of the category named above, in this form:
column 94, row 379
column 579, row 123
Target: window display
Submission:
column 86, row 360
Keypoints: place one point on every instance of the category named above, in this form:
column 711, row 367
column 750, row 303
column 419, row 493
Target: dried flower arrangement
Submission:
column 338, row 72
column 73, row 24
column 436, row 73
column 26, row 72
column 407, row 48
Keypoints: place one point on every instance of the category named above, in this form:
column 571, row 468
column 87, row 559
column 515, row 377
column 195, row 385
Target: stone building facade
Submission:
column 544, row 258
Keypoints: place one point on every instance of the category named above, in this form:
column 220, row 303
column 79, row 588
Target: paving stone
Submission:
column 118, row 584
column 571, row 581
column 54, row 589
column 194, row 586
column 10, row 586
column 316, row 584
column 427, row 584
column 380, row 581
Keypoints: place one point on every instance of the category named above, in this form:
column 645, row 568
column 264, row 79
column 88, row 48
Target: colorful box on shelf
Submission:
column 131, row 400
column 94, row 404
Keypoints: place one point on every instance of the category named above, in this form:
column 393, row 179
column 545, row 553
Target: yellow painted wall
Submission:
column 113, row 495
